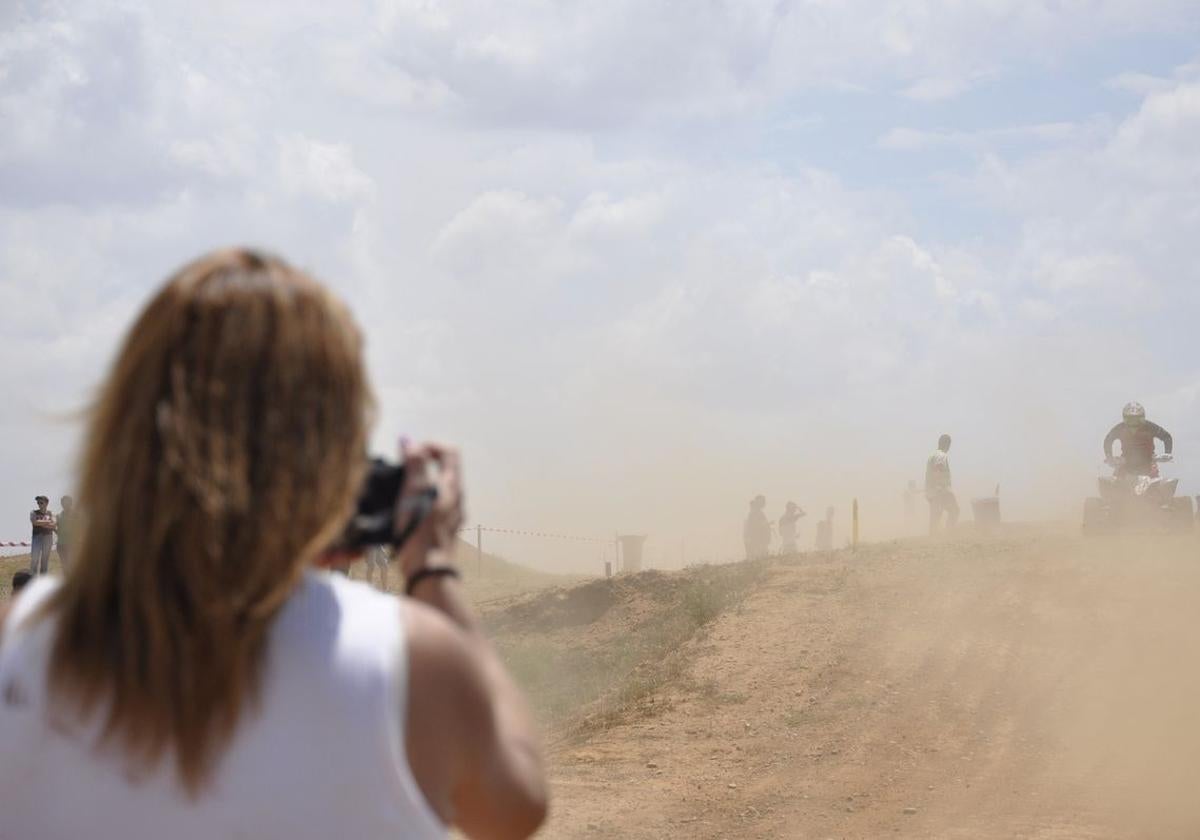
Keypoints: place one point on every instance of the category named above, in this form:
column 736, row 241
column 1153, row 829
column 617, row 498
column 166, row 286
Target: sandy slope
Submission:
column 1034, row 686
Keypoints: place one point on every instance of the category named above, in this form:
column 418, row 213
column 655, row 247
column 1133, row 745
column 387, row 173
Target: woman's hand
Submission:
column 430, row 466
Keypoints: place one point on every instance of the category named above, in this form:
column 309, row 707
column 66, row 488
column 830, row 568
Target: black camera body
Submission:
column 374, row 519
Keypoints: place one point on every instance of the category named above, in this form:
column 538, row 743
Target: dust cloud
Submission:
column 631, row 460
column 1122, row 699
column 589, row 438
column 1029, row 684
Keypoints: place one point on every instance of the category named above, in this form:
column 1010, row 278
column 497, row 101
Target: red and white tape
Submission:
column 487, row 530
column 8, row 543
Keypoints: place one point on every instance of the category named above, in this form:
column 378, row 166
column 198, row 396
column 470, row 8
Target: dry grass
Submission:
column 493, row 578
column 16, row 562
column 587, row 675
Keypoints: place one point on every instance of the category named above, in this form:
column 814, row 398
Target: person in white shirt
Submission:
column 792, row 515
column 938, row 487
column 197, row 673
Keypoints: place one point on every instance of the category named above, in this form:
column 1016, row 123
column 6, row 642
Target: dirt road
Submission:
column 1031, row 686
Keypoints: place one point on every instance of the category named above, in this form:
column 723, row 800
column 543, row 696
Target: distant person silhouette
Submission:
column 938, row 487
column 66, row 532
column 792, row 514
column 756, row 533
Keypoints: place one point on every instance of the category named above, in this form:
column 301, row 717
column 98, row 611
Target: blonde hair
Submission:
column 223, row 455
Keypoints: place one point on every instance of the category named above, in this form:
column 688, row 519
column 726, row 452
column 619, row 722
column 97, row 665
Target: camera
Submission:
column 374, row 519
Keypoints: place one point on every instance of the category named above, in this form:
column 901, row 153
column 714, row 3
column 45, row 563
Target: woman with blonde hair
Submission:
column 196, row 675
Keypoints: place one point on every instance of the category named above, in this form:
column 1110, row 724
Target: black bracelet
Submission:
column 428, row 572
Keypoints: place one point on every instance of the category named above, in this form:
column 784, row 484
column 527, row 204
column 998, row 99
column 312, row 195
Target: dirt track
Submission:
column 1033, row 686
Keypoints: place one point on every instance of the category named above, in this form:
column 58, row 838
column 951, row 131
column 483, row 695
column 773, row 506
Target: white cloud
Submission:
column 923, row 263
column 911, row 139
column 602, row 217
column 606, row 65
column 1160, row 139
column 1037, row 309
column 1189, row 71
column 1091, row 274
column 501, row 234
column 1144, row 84
column 935, row 89
column 1139, row 84
column 324, row 170
column 366, row 75
column 230, row 155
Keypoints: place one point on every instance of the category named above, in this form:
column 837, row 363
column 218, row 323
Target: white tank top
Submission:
column 322, row 758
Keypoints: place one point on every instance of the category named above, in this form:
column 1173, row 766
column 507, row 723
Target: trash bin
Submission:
column 631, row 552
column 987, row 510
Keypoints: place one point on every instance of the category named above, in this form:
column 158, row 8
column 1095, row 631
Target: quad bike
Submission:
column 1137, row 502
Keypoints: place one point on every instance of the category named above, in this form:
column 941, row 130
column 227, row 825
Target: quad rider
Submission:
column 1137, row 436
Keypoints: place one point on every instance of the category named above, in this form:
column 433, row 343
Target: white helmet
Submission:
column 1133, row 411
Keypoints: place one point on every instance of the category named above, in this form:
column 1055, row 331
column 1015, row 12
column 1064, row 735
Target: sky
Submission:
column 640, row 260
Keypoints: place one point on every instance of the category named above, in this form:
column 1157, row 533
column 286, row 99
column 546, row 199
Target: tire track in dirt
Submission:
column 916, row 690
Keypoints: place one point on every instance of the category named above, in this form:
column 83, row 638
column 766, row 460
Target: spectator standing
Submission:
column 66, row 532
column 938, row 487
column 792, row 514
column 42, row 520
column 756, row 532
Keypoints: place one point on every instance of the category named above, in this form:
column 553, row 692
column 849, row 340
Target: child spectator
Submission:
column 19, row 579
